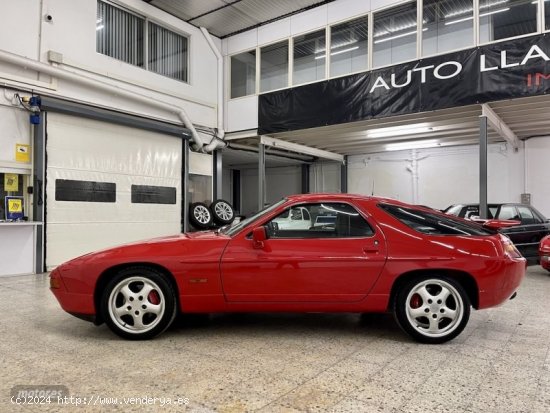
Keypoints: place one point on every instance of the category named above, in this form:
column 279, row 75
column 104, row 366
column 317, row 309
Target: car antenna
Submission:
column 372, row 194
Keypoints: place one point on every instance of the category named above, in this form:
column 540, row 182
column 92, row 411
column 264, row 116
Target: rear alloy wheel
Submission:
column 200, row 216
column 222, row 212
column 138, row 303
column 432, row 309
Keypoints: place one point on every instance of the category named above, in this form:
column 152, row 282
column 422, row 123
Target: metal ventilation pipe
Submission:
column 221, row 132
column 197, row 141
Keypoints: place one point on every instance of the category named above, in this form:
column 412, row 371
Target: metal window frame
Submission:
column 288, row 42
column 146, row 20
column 327, row 44
column 230, row 69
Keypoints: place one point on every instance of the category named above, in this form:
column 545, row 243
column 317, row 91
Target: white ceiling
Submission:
column 223, row 18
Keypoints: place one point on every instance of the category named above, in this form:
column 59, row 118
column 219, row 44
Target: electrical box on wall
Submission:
column 526, row 199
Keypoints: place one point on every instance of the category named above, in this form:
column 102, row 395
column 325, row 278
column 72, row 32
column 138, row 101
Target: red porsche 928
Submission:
column 356, row 254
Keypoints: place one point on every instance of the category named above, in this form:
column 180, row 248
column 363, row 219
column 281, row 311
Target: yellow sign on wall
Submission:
column 11, row 182
column 15, row 205
column 22, row 152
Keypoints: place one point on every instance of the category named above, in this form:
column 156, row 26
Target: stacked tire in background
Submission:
column 219, row 213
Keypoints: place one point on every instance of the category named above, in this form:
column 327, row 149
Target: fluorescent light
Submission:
column 397, row 36
column 99, row 20
column 485, row 6
column 494, row 12
column 337, row 47
column 398, row 130
column 401, row 146
column 459, row 20
column 338, row 52
column 481, row 15
column 99, row 27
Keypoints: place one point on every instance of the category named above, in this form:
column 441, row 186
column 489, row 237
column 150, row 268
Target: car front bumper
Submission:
column 79, row 305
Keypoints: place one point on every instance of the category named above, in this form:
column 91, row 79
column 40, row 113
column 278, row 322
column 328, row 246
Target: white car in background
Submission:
column 294, row 218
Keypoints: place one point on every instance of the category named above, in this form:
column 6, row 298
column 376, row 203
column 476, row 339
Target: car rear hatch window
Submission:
column 432, row 223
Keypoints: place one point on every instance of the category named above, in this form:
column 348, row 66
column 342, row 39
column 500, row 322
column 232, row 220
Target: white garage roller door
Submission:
column 107, row 185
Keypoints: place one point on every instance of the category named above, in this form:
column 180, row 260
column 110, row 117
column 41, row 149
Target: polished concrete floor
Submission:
column 280, row 362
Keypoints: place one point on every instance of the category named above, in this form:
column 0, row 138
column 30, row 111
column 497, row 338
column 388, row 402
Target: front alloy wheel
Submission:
column 432, row 309
column 138, row 303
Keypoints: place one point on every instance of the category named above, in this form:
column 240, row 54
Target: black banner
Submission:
column 505, row 70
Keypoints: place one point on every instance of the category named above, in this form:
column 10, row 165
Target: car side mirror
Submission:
column 259, row 235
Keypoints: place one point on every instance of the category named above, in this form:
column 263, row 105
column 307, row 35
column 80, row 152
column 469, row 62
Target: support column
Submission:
column 261, row 176
column 483, row 167
column 218, row 174
column 185, row 186
column 344, row 175
column 236, row 180
column 305, row 178
column 39, row 191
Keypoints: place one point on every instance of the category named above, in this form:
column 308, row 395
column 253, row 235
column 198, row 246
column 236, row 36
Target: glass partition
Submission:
column 309, row 56
column 274, row 66
column 349, row 47
column 501, row 19
column 243, row 74
column 447, row 25
column 394, row 36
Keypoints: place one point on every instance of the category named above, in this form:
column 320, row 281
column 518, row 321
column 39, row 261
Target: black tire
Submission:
column 133, row 314
column 222, row 212
column 423, row 312
column 200, row 215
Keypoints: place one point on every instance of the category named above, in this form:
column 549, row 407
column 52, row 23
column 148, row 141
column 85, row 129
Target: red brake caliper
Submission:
column 416, row 301
column 154, row 297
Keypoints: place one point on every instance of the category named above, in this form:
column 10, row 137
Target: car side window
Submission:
column 296, row 214
column 527, row 216
column 508, row 212
column 320, row 220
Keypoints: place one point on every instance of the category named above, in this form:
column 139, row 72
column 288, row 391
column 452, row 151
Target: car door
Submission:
column 330, row 263
column 516, row 233
column 534, row 228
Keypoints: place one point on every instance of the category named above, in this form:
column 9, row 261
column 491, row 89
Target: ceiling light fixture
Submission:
column 481, row 15
column 397, row 36
column 401, row 146
column 398, row 131
column 338, row 52
column 469, row 10
column 337, row 46
column 99, row 27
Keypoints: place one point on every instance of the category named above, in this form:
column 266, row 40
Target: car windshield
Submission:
column 236, row 228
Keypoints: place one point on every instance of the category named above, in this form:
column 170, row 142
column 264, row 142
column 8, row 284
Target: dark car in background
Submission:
column 526, row 236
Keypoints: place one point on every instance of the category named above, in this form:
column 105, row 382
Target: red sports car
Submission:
column 544, row 252
column 360, row 254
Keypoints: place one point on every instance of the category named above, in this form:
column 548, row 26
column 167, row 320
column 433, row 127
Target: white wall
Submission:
column 280, row 182
column 324, row 177
column 445, row 175
column 16, row 129
column 537, row 172
column 72, row 32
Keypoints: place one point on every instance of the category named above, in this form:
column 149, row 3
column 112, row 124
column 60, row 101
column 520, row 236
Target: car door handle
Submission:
column 375, row 247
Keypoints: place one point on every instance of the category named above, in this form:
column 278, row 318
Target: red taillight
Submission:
column 510, row 249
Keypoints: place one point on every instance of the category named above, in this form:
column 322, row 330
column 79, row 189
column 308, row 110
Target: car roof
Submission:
column 491, row 204
column 335, row 196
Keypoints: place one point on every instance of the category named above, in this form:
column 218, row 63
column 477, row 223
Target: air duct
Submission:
column 197, row 141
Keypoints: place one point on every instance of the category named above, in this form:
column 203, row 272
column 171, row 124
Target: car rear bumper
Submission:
column 545, row 260
column 511, row 275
